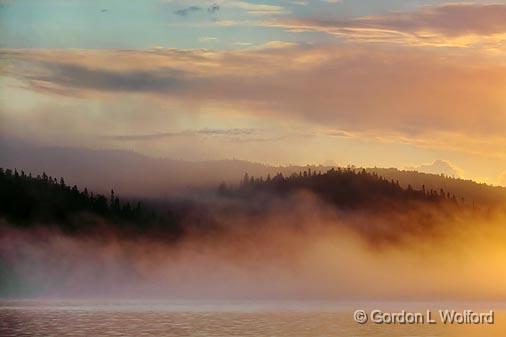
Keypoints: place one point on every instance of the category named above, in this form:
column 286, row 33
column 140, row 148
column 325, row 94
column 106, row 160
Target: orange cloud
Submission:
column 459, row 25
column 439, row 167
column 405, row 90
column 415, row 96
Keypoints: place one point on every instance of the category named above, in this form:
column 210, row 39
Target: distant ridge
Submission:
column 133, row 174
column 344, row 188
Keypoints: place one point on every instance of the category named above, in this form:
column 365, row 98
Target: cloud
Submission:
column 448, row 101
column 449, row 20
column 77, row 76
column 202, row 132
column 187, row 10
column 255, row 8
column 250, row 8
column 339, row 133
column 236, row 135
column 461, row 24
column 213, row 9
column 205, row 39
column 299, row 2
column 439, row 167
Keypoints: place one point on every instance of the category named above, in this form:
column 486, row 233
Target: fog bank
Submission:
column 297, row 249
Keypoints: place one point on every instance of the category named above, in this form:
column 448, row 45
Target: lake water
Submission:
column 223, row 319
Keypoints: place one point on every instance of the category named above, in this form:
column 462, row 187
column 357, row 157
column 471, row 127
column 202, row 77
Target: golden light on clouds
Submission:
column 464, row 25
column 431, row 79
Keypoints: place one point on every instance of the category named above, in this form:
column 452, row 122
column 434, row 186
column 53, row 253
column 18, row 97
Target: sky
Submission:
column 407, row 84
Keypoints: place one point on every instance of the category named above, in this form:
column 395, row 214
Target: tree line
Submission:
column 26, row 200
column 344, row 187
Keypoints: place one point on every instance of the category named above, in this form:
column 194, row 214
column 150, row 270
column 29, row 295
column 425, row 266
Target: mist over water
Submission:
column 298, row 248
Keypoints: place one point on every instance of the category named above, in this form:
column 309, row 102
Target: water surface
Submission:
column 200, row 318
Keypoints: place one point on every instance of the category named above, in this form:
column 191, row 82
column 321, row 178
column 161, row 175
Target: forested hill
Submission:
column 27, row 201
column 468, row 189
column 340, row 187
column 137, row 175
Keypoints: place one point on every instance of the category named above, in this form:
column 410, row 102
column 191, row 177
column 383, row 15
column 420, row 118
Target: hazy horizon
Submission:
column 134, row 174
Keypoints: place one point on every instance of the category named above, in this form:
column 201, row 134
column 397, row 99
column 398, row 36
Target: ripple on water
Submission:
column 67, row 318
